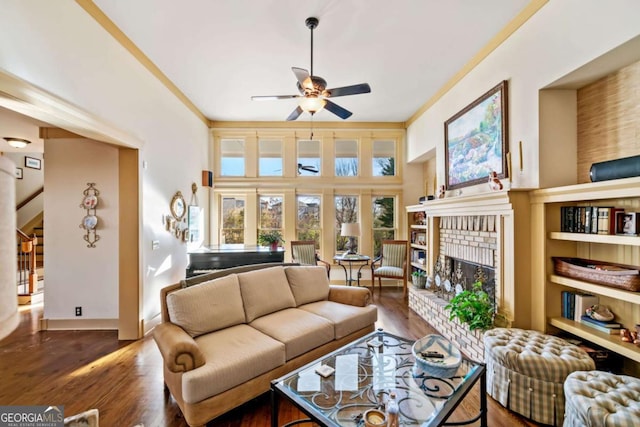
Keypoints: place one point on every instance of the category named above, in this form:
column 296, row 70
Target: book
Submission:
column 610, row 324
column 594, row 220
column 610, row 331
column 583, row 301
column 603, row 219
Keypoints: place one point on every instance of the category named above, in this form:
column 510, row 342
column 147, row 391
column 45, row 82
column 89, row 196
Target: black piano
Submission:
column 216, row 257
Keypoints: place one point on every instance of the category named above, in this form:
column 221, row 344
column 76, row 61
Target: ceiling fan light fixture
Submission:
column 17, row 142
column 312, row 104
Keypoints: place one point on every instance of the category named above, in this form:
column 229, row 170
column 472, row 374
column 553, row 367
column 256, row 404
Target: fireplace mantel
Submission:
column 508, row 212
column 493, row 203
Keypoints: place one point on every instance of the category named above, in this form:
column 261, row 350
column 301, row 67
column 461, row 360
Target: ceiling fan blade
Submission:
column 307, row 168
column 349, row 90
column 272, row 97
column 337, row 110
column 302, row 75
column 295, row 114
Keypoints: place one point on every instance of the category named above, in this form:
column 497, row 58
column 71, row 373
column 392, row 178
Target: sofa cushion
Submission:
column 299, row 330
column 234, row 355
column 207, row 307
column 265, row 291
column 346, row 319
column 308, row 284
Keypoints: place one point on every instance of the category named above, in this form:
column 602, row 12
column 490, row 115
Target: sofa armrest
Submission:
column 179, row 350
column 360, row 297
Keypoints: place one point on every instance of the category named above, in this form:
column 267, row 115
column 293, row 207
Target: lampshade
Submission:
column 17, row 142
column 350, row 229
column 312, row 104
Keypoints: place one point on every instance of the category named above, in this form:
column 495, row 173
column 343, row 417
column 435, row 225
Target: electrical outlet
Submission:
column 78, row 311
column 155, row 244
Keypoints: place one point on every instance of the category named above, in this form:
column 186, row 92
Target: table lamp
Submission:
column 350, row 230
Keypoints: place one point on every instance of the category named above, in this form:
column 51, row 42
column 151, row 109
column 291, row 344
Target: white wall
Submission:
column 78, row 276
column 561, row 37
column 64, row 51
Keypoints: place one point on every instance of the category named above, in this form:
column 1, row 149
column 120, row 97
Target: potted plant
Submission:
column 419, row 278
column 473, row 308
column 270, row 238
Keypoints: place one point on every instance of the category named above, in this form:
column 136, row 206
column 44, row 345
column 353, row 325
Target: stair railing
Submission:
column 27, row 261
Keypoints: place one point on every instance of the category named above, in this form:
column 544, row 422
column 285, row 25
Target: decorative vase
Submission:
column 273, row 246
column 419, row 281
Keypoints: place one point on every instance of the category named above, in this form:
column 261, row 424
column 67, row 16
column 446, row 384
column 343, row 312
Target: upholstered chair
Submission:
column 392, row 264
column 304, row 252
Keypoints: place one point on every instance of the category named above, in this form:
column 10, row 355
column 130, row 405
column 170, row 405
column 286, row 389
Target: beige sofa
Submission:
column 226, row 335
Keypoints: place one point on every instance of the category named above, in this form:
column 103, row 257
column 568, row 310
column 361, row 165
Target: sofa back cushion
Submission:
column 308, row 283
column 208, row 306
column 264, row 292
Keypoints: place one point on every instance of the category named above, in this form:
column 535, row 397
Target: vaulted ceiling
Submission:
column 220, row 53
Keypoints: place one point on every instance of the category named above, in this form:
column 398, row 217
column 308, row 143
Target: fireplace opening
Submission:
column 457, row 275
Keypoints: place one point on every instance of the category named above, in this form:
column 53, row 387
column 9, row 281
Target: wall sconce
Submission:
column 17, row 142
column 350, row 230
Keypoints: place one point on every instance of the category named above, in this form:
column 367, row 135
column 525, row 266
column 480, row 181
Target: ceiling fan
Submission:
column 307, row 168
column 314, row 95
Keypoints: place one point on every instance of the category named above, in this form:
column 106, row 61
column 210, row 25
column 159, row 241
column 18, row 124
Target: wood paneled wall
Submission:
column 609, row 119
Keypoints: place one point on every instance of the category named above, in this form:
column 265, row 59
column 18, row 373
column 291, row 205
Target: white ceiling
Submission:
column 220, row 53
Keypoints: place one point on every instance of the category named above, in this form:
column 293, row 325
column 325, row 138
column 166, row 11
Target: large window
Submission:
column 384, row 158
column 270, row 162
column 346, row 158
column 346, row 211
column 308, row 225
column 231, row 157
column 232, row 230
column 384, row 221
column 271, row 213
column 308, row 157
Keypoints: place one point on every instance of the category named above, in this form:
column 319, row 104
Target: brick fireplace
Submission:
column 488, row 239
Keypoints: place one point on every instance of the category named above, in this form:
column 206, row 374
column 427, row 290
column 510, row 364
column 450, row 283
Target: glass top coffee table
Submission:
column 363, row 378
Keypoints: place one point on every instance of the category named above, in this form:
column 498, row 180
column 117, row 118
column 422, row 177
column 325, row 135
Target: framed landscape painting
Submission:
column 476, row 140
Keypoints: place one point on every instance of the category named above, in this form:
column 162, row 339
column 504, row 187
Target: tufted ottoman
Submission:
column 526, row 371
column 601, row 399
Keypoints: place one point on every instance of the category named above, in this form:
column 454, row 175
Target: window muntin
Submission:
column 346, row 157
column 308, row 155
column 270, row 157
column 384, row 220
column 232, row 227
column 232, row 157
column 346, row 210
column 308, row 219
column 384, row 158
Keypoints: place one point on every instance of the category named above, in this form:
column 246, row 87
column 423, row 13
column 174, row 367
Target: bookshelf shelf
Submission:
column 592, row 288
column 595, row 238
column 548, row 209
column 610, row 342
column 419, row 266
column 416, row 246
column 419, row 227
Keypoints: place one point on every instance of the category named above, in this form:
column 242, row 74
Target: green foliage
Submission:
column 265, row 238
column 473, row 308
column 419, row 273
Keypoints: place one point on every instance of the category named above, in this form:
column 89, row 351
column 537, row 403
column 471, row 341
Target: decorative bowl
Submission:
column 374, row 418
column 447, row 361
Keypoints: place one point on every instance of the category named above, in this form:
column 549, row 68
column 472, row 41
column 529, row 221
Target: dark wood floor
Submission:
column 92, row 369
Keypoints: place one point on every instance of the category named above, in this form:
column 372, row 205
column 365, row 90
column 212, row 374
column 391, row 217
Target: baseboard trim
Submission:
column 78, row 324
column 151, row 323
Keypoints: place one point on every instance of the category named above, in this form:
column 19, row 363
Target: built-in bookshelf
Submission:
column 550, row 225
column 418, row 234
